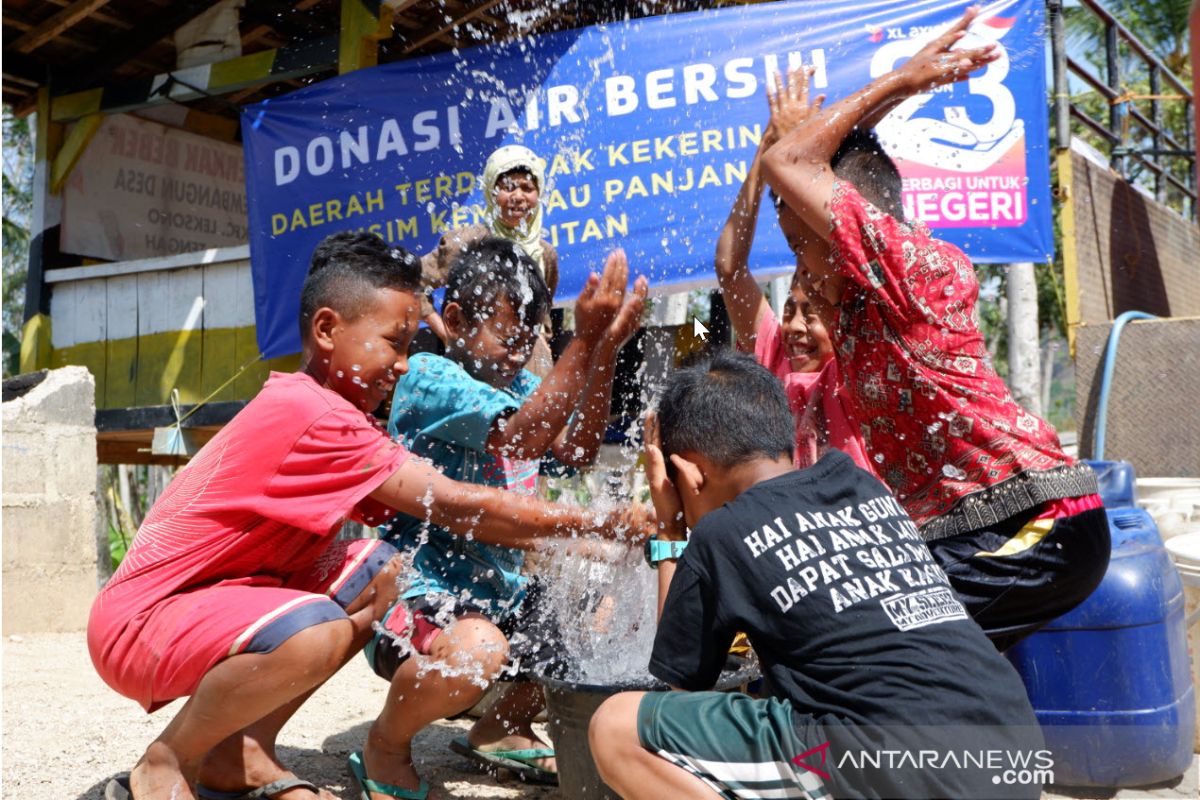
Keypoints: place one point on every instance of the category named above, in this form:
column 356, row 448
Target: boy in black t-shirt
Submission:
column 882, row 686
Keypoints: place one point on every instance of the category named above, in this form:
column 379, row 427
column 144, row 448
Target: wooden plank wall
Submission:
column 143, row 335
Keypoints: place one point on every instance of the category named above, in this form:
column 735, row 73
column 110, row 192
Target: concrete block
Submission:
column 61, row 532
column 50, row 547
column 74, row 460
column 66, row 397
column 38, row 601
column 27, row 462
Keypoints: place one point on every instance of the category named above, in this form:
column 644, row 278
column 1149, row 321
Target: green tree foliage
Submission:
column 18, row 210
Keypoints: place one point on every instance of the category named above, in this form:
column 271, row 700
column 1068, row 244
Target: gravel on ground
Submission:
column 65, row 733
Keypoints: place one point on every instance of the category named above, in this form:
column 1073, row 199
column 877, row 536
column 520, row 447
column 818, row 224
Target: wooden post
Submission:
column 363, row 24
column 1024, row 368
column 77, row 141
column 1070, row 261
column 36, row 348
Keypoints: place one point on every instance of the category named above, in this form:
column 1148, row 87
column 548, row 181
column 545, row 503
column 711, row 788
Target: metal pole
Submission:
column 1116, row 111
column 1062, row 93
column 1157, row 117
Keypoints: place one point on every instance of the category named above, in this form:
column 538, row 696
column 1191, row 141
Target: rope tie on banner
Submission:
column 175, row 392
column 176, row 441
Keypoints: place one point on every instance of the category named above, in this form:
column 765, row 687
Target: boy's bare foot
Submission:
column 394, row 767
column 508, row 724
column 525, row 740
column 239, row 766
column 157, row 775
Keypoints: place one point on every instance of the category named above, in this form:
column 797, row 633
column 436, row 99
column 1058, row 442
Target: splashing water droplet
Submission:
column 953, row 472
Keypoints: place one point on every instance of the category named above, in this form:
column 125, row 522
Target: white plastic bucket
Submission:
column 1174, row 503
column 1185, row 552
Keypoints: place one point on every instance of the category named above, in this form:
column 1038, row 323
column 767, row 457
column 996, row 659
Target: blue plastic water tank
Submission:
column 1132, row 525
column 1110, row 680
column 1117, row 482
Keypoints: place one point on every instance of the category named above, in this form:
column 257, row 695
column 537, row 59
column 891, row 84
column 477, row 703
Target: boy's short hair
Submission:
column 347, row 268
column 861, row 160
column 728, row 408
column 492, row 268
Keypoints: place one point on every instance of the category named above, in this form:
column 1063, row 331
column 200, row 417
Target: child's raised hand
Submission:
column 628, row 318
column 601, row 298
column 789, row 103
column 663, row 493
column 936, row 64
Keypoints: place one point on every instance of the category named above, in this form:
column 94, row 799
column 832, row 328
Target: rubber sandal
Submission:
column 515, row 761
column 261, row 793
column 358, row 772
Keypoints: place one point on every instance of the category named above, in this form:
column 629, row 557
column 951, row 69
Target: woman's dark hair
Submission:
column 728, row 408
column 495, row 268
column 347, row 268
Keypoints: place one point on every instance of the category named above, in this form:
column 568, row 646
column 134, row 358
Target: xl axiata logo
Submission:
column 955, row 140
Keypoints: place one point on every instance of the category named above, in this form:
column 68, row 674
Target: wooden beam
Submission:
column 95, row 69
column 98, row 16
column 24, row 68
column 363, row 24
column 69, row 41
column 279, row 16
column 223, row 77
column 146, row 418
column 133, row 446
column 475, row 12
column 56, row 24
column 68, row 155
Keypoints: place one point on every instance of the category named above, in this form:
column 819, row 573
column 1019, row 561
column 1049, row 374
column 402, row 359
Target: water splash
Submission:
column 606, row 596
column 607, row 600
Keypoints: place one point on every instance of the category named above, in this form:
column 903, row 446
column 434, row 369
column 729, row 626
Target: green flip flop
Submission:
column 358, row 771
column 519, row 762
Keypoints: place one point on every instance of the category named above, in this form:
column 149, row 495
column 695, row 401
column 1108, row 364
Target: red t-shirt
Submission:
column 916, row 366
column 260, row 502
column 815, row 399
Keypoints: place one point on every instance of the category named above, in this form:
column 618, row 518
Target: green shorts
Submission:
column 739, row 746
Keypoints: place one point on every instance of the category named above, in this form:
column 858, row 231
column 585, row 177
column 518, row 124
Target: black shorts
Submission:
column 1011, row 589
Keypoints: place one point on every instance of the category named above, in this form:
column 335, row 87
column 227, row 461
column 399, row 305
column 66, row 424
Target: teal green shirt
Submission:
column 441, row 413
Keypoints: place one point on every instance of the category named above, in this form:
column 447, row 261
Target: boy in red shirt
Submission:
column 797, row 349
column 235, row 593
column 1015, row 523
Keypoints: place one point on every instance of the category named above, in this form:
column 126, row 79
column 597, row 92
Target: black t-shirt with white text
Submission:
column 853, row 621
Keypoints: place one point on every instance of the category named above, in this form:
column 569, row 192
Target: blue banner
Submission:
column 647, row 128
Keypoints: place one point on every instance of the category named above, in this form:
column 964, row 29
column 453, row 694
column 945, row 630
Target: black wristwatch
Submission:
column 663, row 549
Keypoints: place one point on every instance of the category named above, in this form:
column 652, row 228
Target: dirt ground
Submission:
column 66, row 733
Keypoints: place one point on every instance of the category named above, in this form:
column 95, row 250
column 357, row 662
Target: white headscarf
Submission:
column 529, row 235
